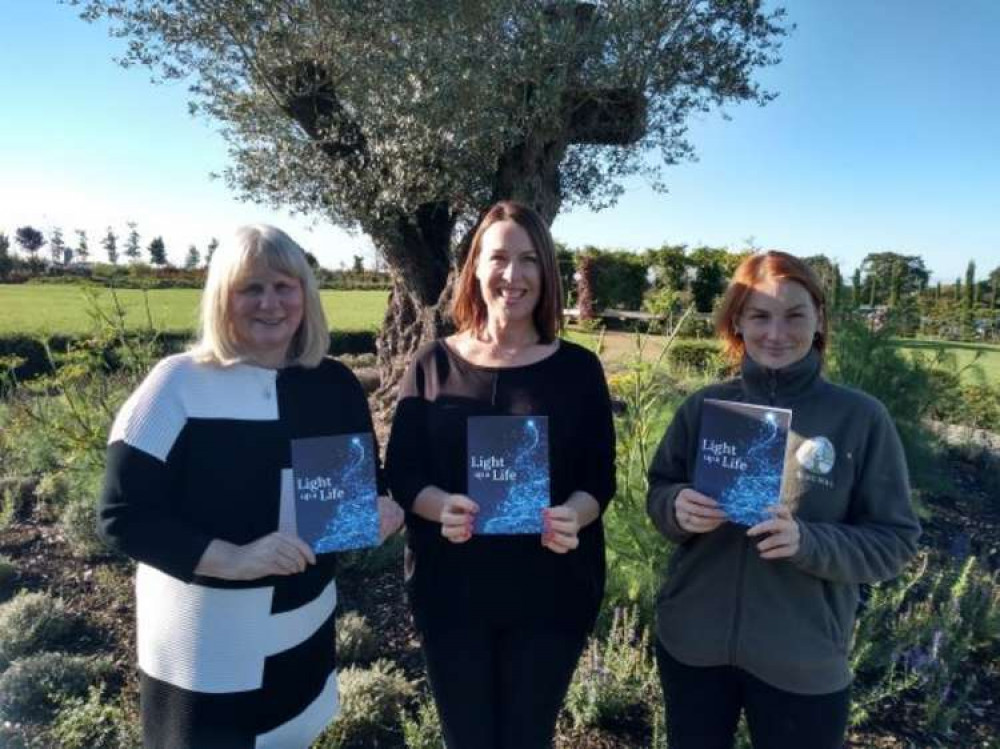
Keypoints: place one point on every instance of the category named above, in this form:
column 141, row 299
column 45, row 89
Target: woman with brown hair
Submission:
column 759, row 620
column 503, row 618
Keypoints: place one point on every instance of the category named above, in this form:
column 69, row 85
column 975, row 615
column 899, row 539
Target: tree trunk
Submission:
column 417, row 249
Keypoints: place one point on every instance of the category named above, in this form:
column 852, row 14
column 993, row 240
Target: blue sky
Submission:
column 885, row 137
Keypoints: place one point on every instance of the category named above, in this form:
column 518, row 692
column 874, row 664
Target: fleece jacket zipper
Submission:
column 772, row 386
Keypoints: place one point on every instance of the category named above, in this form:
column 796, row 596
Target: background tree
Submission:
column 836, row 289
column 132, row 243
column 359, row 264
column 710, row 266
column 157, row 252
column 57, row 247
column 969, row 302
column 193, row 258
column 30, row 240
column 823, row 267
column 82, row 248
column 6, row 261
column 461, row 104
column 110, row 244
column 994, row 284
column 213, row 245
column 877, row 268
column 670, row 266
column 856, row 288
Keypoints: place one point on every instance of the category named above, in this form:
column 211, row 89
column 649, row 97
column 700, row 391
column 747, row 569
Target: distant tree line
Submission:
column 662, row 281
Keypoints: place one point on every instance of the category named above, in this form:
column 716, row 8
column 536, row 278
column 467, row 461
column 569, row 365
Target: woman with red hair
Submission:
column 759, row 621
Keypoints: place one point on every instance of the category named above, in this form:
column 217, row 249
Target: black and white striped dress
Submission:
column 201, row 452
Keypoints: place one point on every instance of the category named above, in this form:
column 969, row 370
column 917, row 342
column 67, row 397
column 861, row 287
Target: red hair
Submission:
column 771, row 265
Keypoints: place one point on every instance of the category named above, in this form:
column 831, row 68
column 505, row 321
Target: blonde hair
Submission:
column 254, row 244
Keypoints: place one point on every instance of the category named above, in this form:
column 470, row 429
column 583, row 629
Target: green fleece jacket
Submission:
column 789, row 622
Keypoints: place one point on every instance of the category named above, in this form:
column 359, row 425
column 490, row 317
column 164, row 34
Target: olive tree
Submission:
column 405, row 119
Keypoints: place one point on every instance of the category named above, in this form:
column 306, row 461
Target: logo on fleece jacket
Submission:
column 816, row 455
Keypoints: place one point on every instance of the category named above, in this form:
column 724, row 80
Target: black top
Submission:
column 501, row 580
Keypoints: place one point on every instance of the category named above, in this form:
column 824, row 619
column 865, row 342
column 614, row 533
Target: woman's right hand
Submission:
column 697, row 513
column 458, row 513
column 274, row 554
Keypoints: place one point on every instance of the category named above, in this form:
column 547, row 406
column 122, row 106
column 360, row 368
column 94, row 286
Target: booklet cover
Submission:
column 741, row 457
column 508, row 473
column 335, row 492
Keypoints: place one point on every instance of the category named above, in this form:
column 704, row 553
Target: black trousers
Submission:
column 500, row 688
column 704, row 703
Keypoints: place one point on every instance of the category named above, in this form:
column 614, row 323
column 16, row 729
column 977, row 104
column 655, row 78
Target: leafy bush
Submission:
column 371, row 702
column 31, row 689
column 618, row 278
column 423, row 730
column 78, row 522
column 356, row 641
column 30, row 623
column 616, row 683
column 701, row 356
column 637, row 553
column 8, row 573
column 93, row 722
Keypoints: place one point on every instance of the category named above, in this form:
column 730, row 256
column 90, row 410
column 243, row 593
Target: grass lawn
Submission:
column 39, row 309
column 964, row 353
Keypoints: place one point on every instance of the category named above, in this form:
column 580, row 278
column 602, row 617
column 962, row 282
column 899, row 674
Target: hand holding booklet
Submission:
column 508, row 472
column 741, row 457
column 336, row 505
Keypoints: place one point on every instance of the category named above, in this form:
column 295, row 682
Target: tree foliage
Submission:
column 110, row 244
column 157, row 252
column 29, row 239
column 407, row 118
column 57, row 247
column 889, row 273
column 132, row 242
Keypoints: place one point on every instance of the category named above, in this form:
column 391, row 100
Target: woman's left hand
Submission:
column 782, row 534
column 562, row 523
column 390, row 518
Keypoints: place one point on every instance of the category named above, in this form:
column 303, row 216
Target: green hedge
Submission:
column 32, row 351
column 704, row 356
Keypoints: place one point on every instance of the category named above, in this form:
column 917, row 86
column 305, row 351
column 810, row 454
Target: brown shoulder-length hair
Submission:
column 773, row 264
column 468, row 310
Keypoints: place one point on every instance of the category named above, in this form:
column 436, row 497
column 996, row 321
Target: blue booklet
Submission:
column 741, row 457
column 336, row 506
column 508, row 473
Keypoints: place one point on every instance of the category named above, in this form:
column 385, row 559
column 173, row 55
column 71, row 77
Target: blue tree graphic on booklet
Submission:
column 741, row 457
column 508, row 473
column 336, row 505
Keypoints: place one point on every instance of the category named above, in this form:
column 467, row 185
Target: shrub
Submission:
column 30, row 623
column 51, row 493
column 637, row 553
column 93, row 722
column 8, row 573
column 371, row 701
column 356, row 641
column 616, row 683
column 701, row 356
column 423, row 730
column 917, row 636
column 31, row 689
column 78, row 522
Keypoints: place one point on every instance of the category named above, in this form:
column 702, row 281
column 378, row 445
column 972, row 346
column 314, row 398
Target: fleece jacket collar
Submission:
column 775, row 386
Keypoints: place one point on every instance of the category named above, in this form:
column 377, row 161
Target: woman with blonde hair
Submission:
column 759, row 620
column 235, row 613
column 503, row 618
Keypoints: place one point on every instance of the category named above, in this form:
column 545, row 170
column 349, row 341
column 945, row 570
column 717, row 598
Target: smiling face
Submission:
column 778, row 323
column 509, row 272
column 265, row 308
